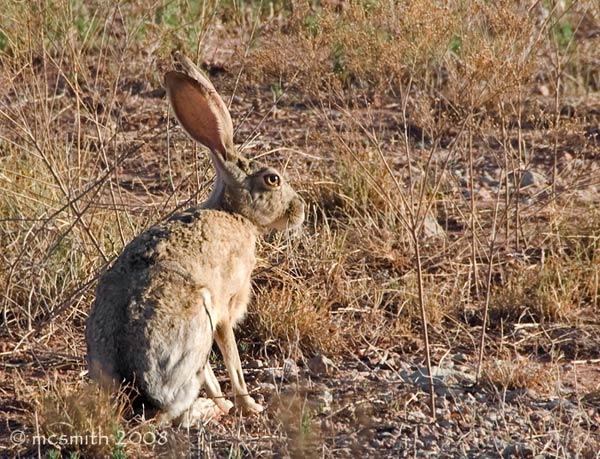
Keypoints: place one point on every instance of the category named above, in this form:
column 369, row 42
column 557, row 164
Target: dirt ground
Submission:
column 539, row 396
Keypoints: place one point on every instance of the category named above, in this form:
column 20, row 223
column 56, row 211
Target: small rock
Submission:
column 446, row 423
column 255, row 364
column 320, row 365
column 290, row 369
column 588, row 195
column 562, row 404
column 429, row 440
column 418, row 415
column 526, row 178
column 493, row 416
column 442, row 377
column 488, row 180
column 484, row 194
column 431, row 227
column 267, row 389
column 517, row 450
column 460, row 358
column 325, row 399
column 448, row 364
column 530, row 178
column 512, row 396
column 481, row 397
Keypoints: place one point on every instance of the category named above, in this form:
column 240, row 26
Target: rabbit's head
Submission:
column 256, row 191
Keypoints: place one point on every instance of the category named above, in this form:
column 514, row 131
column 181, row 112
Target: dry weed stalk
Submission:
column 506, row 88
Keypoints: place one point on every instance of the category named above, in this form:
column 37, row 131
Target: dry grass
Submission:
column 390, row 117
column 516, row 373
column 66, row 412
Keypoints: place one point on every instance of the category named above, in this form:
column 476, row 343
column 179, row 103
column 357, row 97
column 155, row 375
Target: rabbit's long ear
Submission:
column 202, row 113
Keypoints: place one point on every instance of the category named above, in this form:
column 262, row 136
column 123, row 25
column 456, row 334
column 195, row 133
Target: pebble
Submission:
column 320, row 365
column 460, row 358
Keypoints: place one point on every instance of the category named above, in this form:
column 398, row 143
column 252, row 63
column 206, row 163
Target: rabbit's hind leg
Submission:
column 188, row 408
column 181, row 400
column 225, row 339
column 213, row 389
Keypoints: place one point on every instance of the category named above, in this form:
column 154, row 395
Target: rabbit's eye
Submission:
column 272, row 180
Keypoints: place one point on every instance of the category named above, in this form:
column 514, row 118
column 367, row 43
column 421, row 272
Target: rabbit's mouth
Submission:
column 294, row 216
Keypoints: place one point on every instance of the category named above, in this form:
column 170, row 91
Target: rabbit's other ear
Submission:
column 202, row 113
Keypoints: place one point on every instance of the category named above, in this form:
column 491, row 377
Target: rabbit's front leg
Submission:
column 226, row 341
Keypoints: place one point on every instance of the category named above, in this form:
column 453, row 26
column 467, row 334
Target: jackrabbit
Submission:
column 187, row 280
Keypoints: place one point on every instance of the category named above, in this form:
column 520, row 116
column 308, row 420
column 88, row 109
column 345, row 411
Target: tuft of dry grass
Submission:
column 561, row 282
column 480, row 118
column 85, row 421
column 354, row 45
column 516, row 373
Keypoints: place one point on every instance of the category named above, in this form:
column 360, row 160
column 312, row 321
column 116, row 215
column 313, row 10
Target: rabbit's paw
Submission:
column 202, row 410
column 248, row 406
column 225, row 405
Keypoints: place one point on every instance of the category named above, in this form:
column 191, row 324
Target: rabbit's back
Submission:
column 151, row 317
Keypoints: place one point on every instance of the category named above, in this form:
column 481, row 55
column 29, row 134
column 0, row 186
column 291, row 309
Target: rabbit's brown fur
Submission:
column 187, row 280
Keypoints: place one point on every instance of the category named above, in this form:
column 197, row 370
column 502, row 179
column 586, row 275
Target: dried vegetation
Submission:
column 448, row 154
